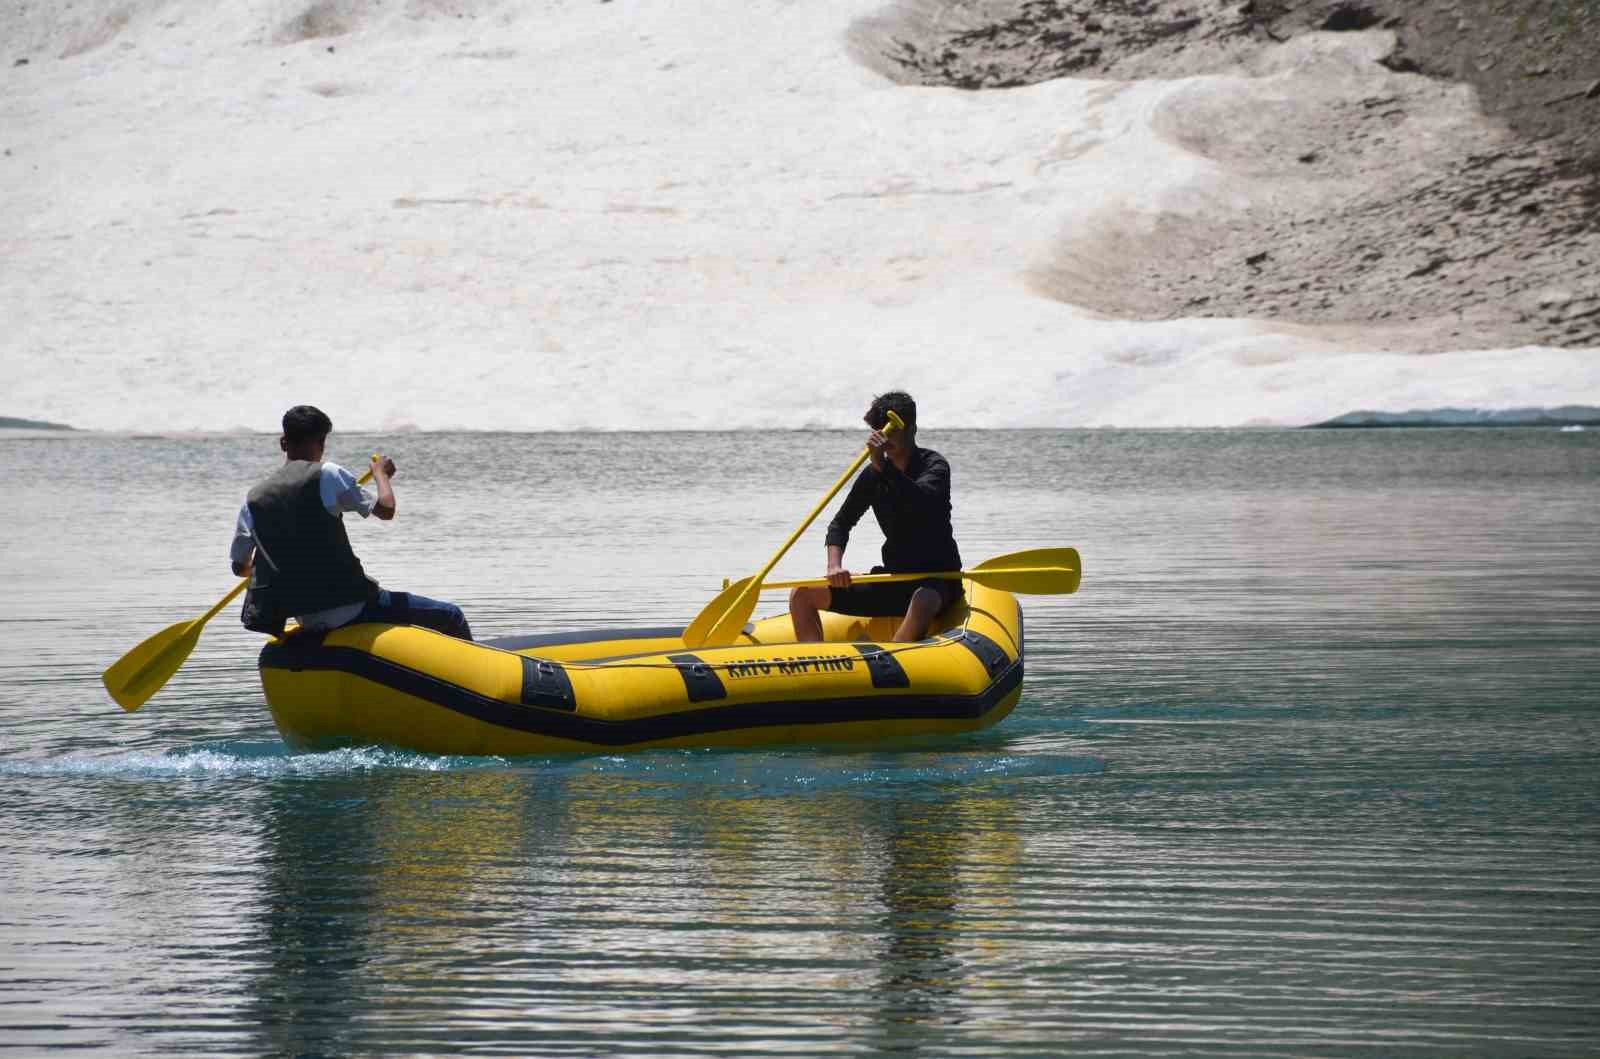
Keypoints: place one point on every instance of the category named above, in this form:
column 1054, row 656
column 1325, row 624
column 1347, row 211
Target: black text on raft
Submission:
column 764, row 667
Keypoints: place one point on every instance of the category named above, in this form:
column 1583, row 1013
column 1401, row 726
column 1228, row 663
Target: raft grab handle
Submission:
column 546, row 684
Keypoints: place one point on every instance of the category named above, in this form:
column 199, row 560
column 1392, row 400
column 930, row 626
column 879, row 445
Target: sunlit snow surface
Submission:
column 615, row 215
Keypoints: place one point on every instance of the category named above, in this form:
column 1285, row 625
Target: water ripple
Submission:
column 1306, row 768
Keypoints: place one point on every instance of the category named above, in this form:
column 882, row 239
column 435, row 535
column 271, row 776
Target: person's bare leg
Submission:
column 803, row 606
column 925, row 603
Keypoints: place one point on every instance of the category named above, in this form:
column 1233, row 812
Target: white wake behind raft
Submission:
column 626, row 215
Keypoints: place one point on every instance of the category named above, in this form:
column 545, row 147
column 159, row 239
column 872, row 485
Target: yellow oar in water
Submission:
column 719, row 623
column 1037, row 572
column 145, row 670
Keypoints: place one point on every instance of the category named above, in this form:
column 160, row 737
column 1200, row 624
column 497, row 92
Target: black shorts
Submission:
column 890, row 599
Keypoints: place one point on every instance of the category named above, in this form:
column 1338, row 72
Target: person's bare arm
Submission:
column 382, row 471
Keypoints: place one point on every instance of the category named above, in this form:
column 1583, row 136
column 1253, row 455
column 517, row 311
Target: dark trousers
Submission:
column 407, row 608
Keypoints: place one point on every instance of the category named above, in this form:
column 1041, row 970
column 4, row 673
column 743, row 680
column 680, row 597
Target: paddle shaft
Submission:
column 840, row 484
column 244, row 583
column 893, row 425
column 725, row 615
column 877, row 579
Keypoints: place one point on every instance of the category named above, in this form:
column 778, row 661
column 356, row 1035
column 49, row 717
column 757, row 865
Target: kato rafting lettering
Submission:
column 763, row 667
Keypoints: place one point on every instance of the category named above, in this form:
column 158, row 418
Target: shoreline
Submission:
column 1364, row 419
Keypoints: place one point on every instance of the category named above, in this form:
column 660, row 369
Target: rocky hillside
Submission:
column 1447, row 238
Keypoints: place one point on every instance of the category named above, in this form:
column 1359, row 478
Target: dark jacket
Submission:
column 912, row 508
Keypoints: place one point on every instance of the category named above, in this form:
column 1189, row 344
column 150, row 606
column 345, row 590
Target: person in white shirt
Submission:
column 290, row 540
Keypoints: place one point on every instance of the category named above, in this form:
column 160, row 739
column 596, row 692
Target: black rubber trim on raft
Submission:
column 884, row 668
column 546, row 684
column 555, row 639
column 294, row 657
column 700, row 679
column 991, row 654
column 560, row 724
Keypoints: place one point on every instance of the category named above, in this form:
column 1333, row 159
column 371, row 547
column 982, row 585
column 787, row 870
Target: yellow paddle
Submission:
column 145, row 670
column 719, row 623
column 1037, row 572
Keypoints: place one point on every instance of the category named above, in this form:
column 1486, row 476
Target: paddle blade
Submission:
column 1036, row 572
column 722, row 619
column 142, row 672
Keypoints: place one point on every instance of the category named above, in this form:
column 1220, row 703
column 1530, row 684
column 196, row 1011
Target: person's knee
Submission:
column 809, row 597
column 443, row 616
column 456, row 622
column 926, row 601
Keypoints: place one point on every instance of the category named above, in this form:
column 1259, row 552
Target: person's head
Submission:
column 897, row 401
column 305, row 432
column 900, row 403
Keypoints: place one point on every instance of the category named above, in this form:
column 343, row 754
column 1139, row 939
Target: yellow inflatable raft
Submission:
column 409, row 687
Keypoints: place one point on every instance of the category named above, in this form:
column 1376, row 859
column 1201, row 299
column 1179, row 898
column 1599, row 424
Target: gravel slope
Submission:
column 1451, row 218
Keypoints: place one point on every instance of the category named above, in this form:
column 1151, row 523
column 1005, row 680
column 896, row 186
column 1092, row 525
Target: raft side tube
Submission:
column 414, row 688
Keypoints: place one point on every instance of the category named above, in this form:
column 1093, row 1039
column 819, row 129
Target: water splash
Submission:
column 739, row 772
column 230, row 759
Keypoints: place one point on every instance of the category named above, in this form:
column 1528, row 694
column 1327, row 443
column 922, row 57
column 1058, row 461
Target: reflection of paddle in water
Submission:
column 947, row 879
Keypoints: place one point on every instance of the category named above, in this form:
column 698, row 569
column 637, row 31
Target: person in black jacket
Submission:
column 290, row 540
column 908, row 489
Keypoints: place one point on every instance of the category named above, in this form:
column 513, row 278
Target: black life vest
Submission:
column 308, row 562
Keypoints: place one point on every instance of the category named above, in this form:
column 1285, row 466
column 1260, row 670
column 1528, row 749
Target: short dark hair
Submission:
column 306, row 422
column 897, row 401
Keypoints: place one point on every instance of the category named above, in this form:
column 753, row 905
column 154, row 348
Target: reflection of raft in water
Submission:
column 410, row 687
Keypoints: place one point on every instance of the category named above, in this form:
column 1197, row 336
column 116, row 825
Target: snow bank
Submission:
column 576, row 215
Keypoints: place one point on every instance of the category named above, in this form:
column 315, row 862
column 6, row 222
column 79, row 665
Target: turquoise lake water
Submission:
column 1309, row 766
